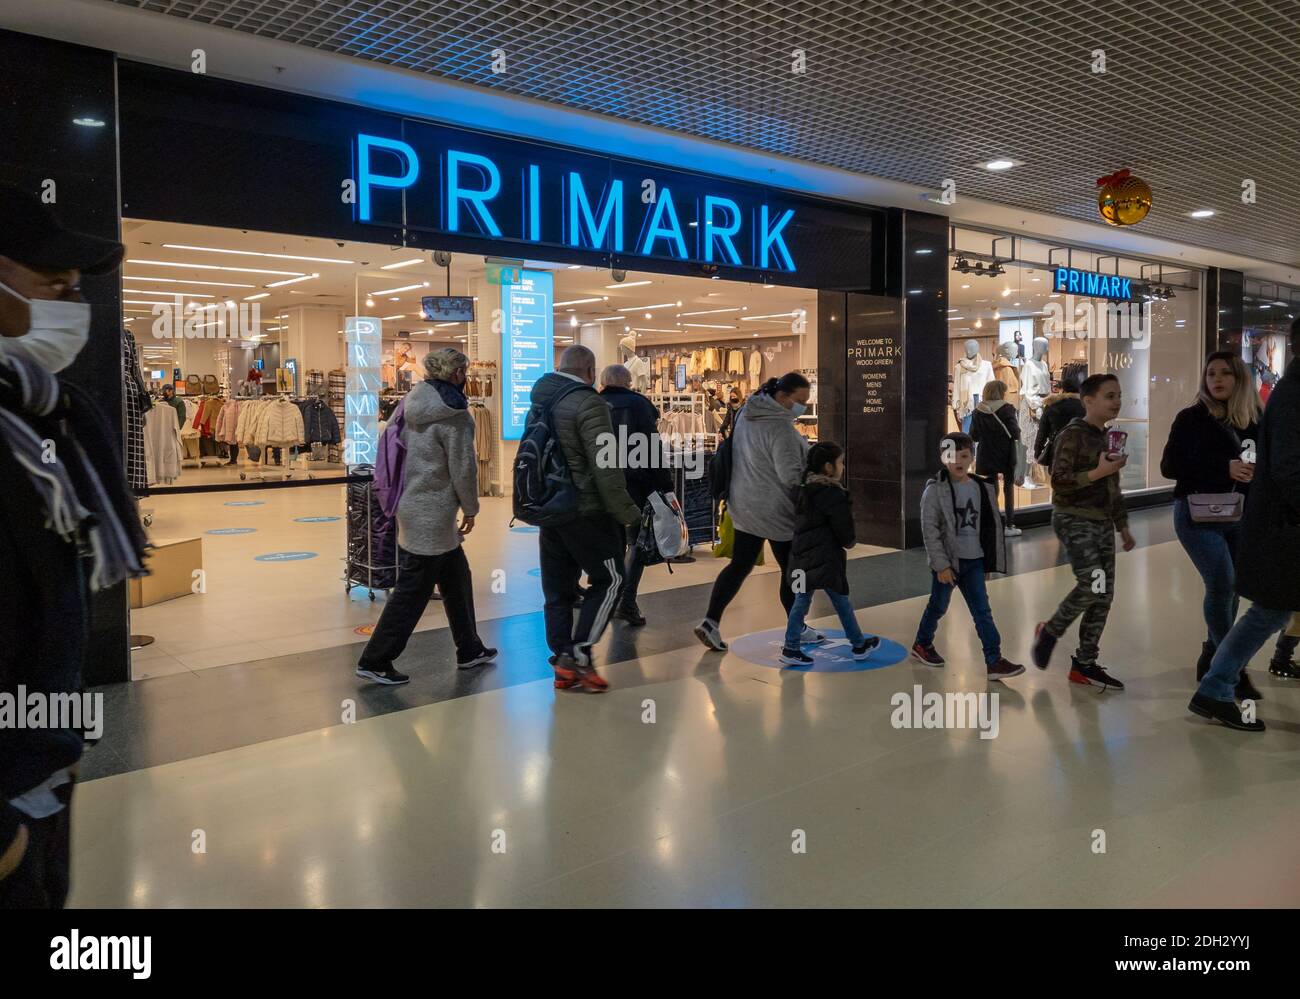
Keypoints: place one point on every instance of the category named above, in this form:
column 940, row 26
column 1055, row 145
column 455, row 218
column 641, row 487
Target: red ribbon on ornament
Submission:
column 1114, row 178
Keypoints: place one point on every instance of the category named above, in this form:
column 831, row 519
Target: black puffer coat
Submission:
column 823, row 530
column 1268, row 553
column 995, row 429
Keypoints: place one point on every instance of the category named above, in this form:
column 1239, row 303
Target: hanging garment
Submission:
column 162, row 445
column 1004, row 370
column 755, row 369
column 227, row 421
column 969, row 377
column 640, row 370
column 735, row 362
column 320, row 426
column 137, row 403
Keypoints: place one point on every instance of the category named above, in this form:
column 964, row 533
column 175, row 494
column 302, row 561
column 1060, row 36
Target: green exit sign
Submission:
column 505, row 272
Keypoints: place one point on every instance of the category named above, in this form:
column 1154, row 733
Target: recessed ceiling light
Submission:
column 213, row 267
column 281, row 284
column 88, row 122
column 582, row 301
column 256, row 253
column 405, row 287
column 965, row 286
column 999, row 164
column 402, row 263
column 629, row 284
column 386, row 318
column 214, row 284
column 1202, row 213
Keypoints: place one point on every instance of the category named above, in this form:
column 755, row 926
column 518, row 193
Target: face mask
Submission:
column 56, row 331
column 798, row 408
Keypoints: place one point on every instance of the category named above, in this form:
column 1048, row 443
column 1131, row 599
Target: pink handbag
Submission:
column 1216, row 508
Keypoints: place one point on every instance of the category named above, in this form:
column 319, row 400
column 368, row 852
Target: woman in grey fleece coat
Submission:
column 441, row 477
column 767, row 463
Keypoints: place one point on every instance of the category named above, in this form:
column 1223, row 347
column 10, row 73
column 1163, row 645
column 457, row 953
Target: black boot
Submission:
column 1203, row 664
column 1247, row 691
column 1224, row 712
column 1284, row 665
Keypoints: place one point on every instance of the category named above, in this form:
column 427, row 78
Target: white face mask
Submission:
column 798, row 408
column 56, row 331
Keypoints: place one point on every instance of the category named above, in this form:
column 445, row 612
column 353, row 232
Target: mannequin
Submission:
column 1035, row 387
column 1006, row 371
column 638, row 366
column 969, row 377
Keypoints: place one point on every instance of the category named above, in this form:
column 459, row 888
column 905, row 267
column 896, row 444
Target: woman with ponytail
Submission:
column 767, row 466
column 823, row 532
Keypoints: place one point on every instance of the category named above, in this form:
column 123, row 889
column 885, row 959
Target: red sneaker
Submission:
column 569, row 672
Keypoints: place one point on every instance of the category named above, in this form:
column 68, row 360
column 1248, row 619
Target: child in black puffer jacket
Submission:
column 823, row 531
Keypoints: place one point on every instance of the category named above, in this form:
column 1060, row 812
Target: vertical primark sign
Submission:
column 363, row 340
column 467, row 185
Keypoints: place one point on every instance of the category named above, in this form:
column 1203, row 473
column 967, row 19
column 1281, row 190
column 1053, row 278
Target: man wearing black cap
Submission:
column 67, row 527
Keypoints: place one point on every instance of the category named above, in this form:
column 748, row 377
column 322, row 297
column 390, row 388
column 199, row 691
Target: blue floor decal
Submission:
column 763, row 648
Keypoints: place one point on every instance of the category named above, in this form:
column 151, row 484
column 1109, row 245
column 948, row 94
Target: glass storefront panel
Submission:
column 1268, row 310
column 1129, row 317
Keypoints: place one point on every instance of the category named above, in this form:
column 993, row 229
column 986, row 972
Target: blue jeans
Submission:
column 1212, row 548
column 970, row 580
column 843, row 607
column 1239, row 645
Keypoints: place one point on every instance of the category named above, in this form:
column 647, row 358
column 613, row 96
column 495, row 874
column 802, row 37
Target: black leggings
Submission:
column 1008, row 495
column 744, row 554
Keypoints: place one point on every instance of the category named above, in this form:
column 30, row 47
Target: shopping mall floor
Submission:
column 704, row 779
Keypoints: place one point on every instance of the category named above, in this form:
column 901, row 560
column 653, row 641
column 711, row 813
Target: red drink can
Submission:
column 1116, row 440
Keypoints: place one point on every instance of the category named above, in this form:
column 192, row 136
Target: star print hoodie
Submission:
column 939, row 524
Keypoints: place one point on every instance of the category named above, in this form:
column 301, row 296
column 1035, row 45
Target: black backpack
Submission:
column 545, row 495
column 720, row 469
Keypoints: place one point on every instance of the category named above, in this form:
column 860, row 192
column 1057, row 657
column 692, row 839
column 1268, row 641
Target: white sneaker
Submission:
column 1013, row 532
column 708, row 634
column 811, row 636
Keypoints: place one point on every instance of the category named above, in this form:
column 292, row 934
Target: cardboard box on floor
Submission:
column 171, row 564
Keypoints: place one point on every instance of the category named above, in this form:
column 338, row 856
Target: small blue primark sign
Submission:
column 1072, row 281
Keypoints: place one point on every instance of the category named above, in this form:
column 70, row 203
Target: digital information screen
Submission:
column 527, row 348
column 447, row 308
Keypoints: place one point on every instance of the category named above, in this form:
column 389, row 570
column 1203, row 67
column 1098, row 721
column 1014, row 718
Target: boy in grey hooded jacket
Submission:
column 964, row 540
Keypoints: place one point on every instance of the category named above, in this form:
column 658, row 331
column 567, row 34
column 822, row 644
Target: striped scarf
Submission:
column 43, row 423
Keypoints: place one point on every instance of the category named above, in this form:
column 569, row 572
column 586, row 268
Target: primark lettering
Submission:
column 1076, row 282
column 581, row 202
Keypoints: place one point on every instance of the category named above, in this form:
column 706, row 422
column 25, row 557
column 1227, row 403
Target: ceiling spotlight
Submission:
column 999, row 164
column 961, row 265
column 1202, row 213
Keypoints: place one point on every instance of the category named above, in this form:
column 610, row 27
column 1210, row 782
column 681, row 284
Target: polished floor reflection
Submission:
column 704, row 780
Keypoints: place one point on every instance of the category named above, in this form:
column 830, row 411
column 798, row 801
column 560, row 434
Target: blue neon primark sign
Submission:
column 1073, row 281
column 468, row 185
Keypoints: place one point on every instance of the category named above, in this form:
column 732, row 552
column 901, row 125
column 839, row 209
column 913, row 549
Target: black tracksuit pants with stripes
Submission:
column 592, row 544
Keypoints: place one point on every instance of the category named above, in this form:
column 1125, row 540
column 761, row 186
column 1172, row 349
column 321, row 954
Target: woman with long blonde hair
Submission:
column 1211, row 450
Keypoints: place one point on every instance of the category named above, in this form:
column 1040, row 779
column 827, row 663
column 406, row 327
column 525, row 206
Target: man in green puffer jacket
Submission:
column 593, row 541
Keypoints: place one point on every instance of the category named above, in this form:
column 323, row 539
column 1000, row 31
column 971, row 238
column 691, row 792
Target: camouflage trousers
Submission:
column 1090, row 546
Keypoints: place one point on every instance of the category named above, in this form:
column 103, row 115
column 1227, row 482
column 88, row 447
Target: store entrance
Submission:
column 257, row 538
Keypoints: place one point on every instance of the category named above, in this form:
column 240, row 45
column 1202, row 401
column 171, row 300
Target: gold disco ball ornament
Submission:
column 1123, row 198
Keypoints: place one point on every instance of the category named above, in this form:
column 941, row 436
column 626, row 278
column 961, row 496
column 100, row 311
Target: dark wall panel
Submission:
column 44, row 85
column 925, row 357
